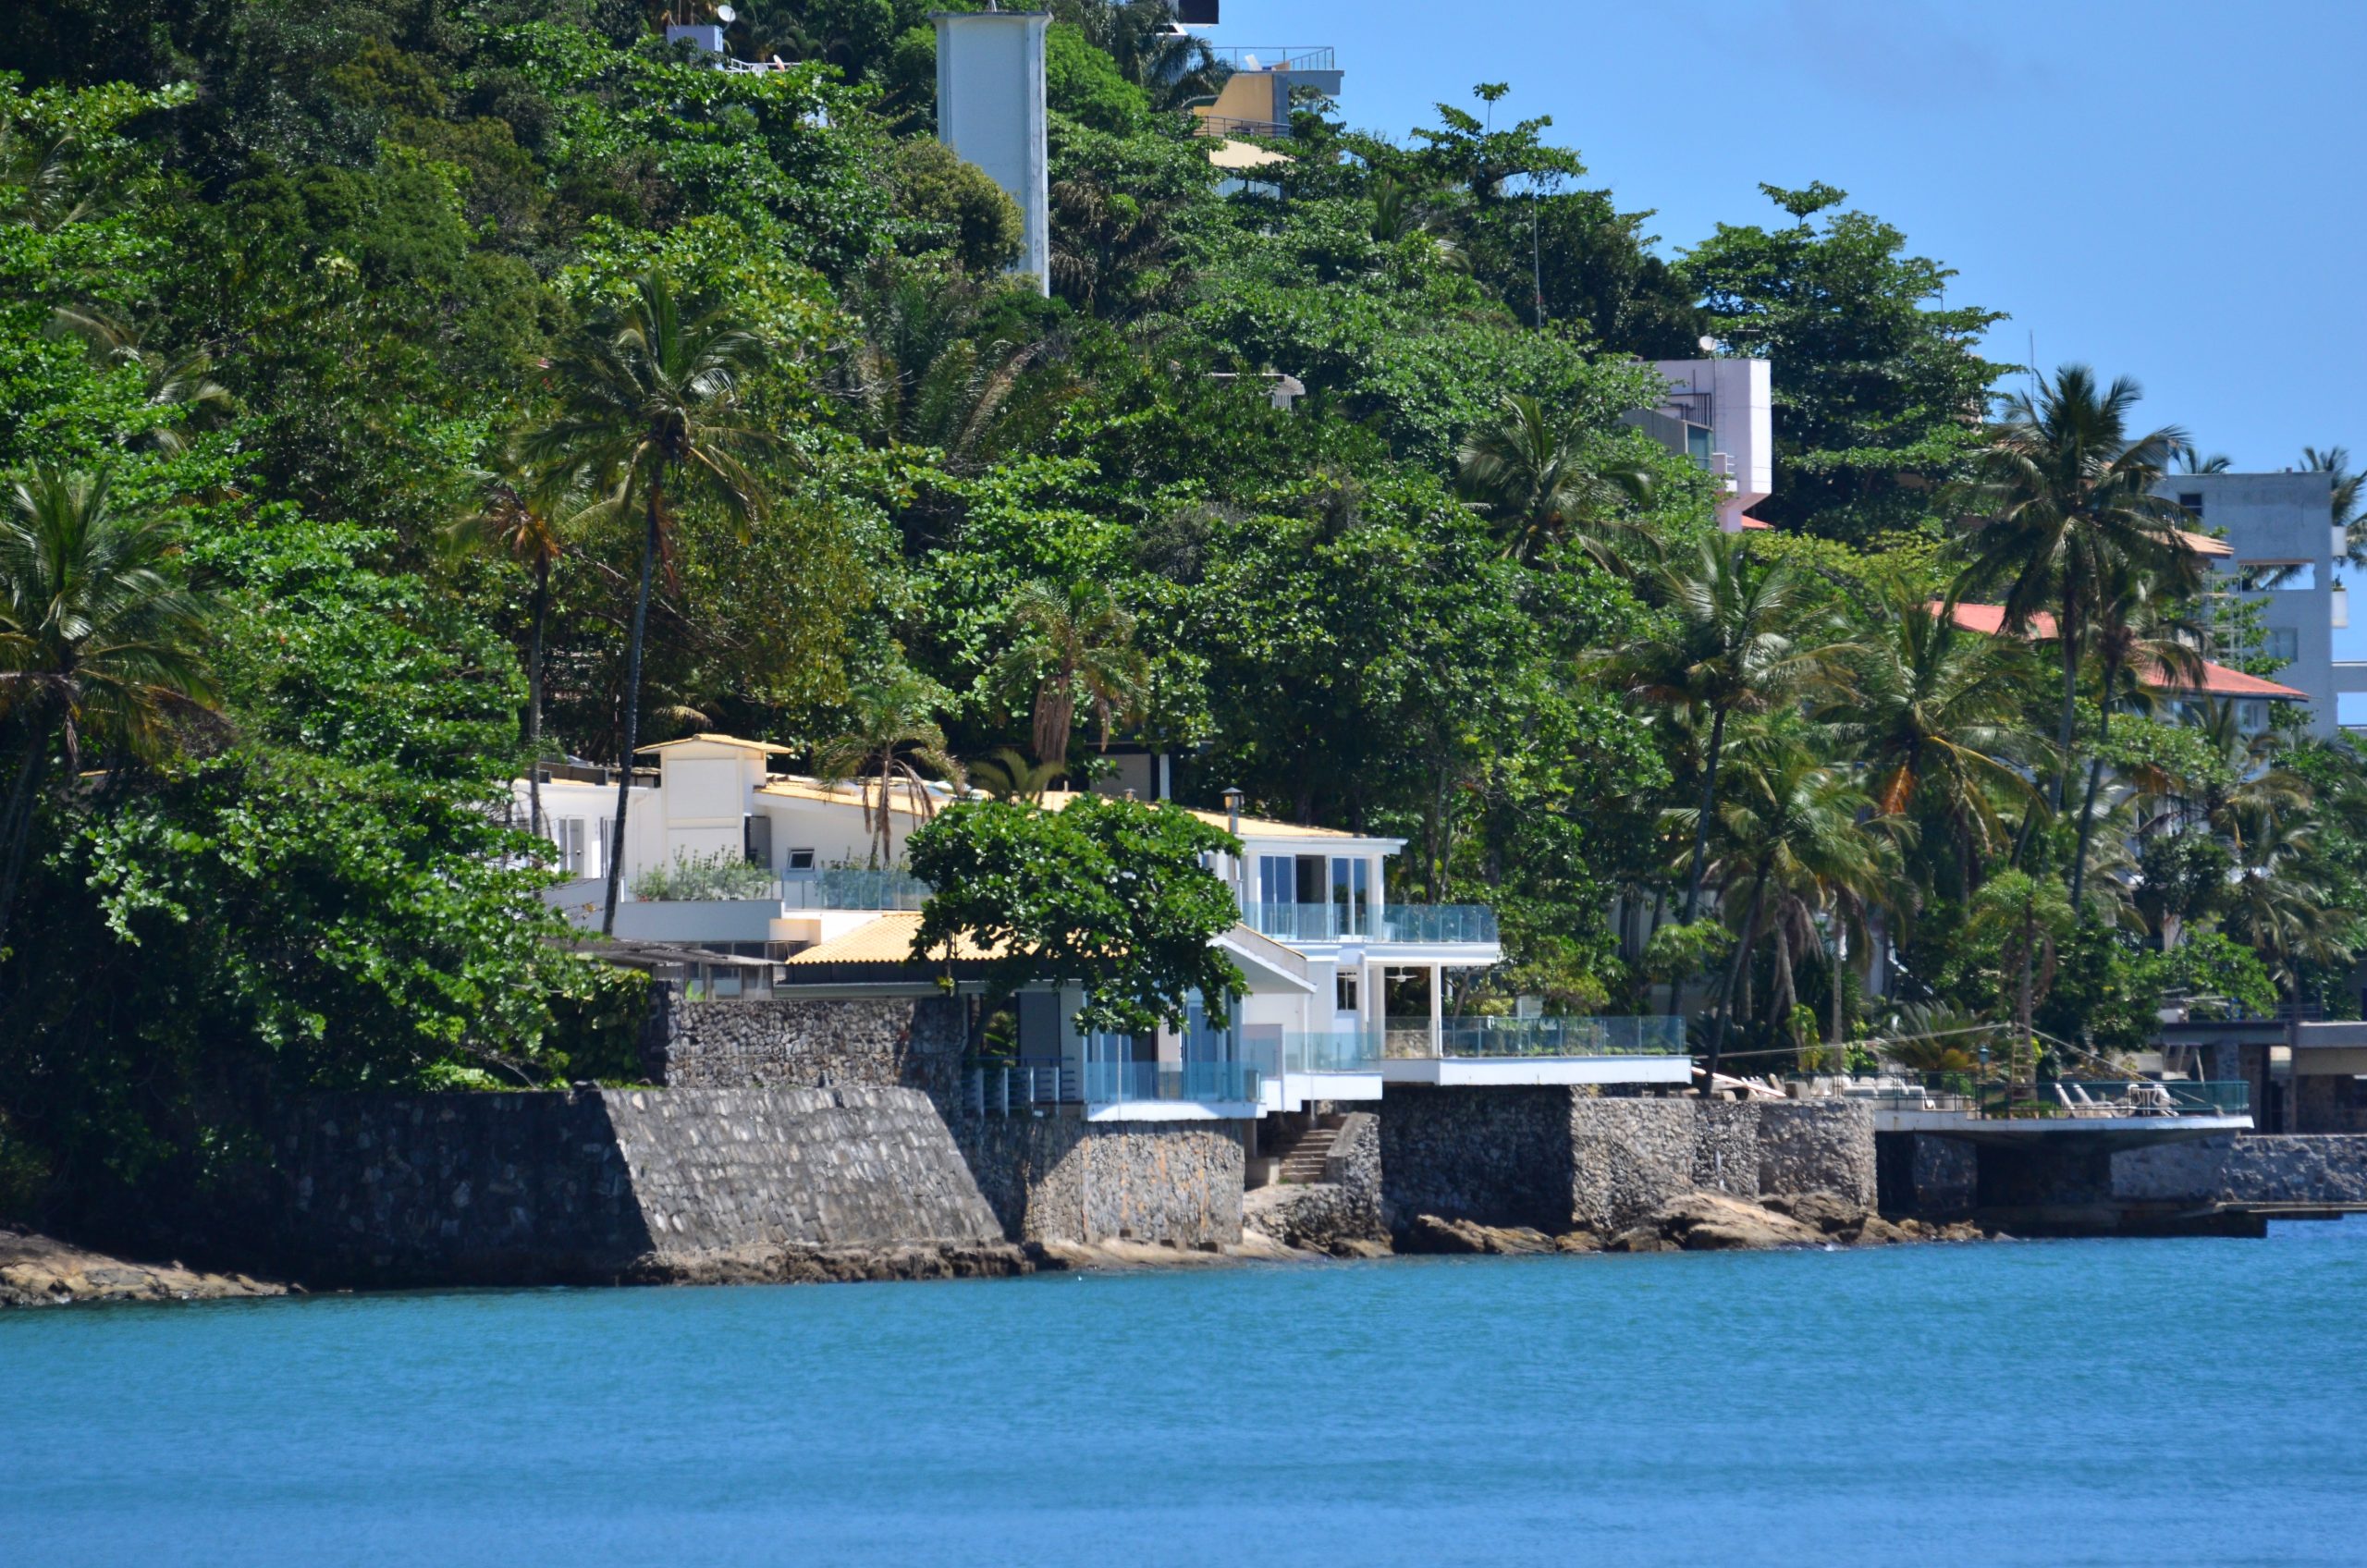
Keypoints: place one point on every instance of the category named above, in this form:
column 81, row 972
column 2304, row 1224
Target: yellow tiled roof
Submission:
column 887, row 939
column 849, row 794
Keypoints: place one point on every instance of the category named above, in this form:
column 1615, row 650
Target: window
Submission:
column 2252, row 714
column 2192, row 501
column 1277, row 879
column 1343, row 991
column 799, row 859
column 2254, row 577
column 1351, row 896
column 2282, row 642
column 595, row 863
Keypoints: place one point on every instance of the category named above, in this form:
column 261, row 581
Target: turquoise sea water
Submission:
column 2066, row 1402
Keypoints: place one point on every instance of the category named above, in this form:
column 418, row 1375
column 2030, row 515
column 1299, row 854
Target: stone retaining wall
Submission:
column 761, row 1042
column 607, row 1184
column 2244, row 1168
column 1060, row 1178
column 1556, row 1158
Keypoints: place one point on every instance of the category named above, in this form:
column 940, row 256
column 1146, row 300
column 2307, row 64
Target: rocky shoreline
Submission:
column 38, row 1270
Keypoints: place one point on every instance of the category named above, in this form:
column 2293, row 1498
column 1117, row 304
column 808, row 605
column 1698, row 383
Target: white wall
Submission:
column 2279, row 517
column 1741, row 423
column 990, row 109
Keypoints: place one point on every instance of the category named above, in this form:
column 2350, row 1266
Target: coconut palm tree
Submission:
column 2063, row 491
column 1932, row 710
column 644, row 398
column 1539, row 482
column 2140, row 631
column 181, row 384
column 2349, row 497
column 892, row 735
column 2276, row 906
column 513, row 519
column 1730, row 645
column 1793, row 827
column 100, row 648
column 926, row 371
column 1172, row 66
column 1073, row 643
column 2240, row 792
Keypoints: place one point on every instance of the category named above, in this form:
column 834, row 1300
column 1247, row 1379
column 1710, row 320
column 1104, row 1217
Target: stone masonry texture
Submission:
column 763, row 1042
column 1553, row 1159
column 1058, row 1178
column 597, row 1185
column 2244, row 1168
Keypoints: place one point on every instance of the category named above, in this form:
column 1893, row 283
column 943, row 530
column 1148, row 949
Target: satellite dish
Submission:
column 726, row 15
column 1708, row 344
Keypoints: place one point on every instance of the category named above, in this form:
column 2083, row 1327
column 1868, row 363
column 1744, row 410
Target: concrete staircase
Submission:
column 1305, row 1157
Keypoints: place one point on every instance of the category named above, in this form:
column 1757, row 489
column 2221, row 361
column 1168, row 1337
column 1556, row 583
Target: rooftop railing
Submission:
column 853, row 890
column 1233, row 124
column 1277, row 57
column 2075, row 1099
column 1498, row 1037
column 1398, row 923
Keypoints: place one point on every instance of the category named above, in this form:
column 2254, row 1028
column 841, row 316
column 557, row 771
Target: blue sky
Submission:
column 2167, row 190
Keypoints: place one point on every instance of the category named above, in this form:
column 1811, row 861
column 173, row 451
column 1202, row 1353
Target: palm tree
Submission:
column 1535, row 476
column 100, row 648
column 514, row 521
column 1008, row 776
column 1728, row 648
column 892, row 733
column 2276, row 906
column 39, row 179
column 2140, row 631
column 2065, row 496
column 1795, row 829
column 2191, row 460
column 183, row 385
column 1400, row 213
column 1932, row 710
column 919, row 373
column 645, row 397
column 2349, row 497
column 1073, row 643
column 1169, row 65
column 2240, row 792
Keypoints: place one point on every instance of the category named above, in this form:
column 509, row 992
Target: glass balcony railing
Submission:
column 1538, row 1037
column 1109, row 1082
column 1293, row 1052
column 853, row 890
column 1398, row 923
column 1277, row 57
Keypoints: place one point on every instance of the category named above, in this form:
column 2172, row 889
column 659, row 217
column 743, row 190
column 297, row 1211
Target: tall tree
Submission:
column 892, row 735
column 100, row 647
column 2350, row 495
column 645, row 397
column 513, row 521
column 1071, row 644
column 1933, row 710
column 2065, row 508
column 1731, row 644
column 2140, row 632
column 1879, row 382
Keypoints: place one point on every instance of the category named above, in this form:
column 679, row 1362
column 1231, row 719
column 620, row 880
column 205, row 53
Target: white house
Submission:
column 1346, row 991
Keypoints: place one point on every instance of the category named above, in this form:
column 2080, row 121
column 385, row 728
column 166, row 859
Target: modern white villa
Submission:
column 1347, row 991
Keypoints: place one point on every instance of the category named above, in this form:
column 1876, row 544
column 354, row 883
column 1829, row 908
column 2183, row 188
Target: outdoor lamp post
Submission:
column 1233, row 825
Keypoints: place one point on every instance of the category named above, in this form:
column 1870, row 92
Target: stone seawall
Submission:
column 1558, row 1158
column 1061, row 1179
column 2245, row 1168
column 760, row 1042
column 590, row 1187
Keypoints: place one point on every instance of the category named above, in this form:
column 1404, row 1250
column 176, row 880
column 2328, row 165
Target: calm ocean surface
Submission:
column 2045, row 1402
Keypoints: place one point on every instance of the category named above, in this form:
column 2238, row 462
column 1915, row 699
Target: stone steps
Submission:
column 1305, row 1159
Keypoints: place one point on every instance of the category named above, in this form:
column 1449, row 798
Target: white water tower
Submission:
column 990, row 110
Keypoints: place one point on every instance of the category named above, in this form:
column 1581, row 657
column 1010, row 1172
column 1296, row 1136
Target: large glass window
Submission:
column 1277, row 879
column 1350, row 897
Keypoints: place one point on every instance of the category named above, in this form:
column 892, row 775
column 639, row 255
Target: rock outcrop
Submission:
column 37, row 1270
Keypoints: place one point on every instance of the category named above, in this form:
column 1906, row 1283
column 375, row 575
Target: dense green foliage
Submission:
column 319, row 289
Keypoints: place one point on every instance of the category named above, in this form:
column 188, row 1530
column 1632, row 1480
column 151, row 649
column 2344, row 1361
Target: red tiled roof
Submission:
column 2218, row 681
column 1750, row 521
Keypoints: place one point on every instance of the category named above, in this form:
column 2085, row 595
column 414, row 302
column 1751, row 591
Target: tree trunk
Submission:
column 17, row 820
column 534, row 699
column 1701, row 824
column 1734, row 979
column 633, row 701
column 2095, row 779
column 2063, row 735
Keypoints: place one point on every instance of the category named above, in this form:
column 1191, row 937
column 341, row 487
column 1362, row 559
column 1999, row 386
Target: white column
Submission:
column 1437, row 1008
column 990, row 110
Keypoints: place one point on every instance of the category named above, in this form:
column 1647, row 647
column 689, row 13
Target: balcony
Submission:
column 1296, row 58
column 1482, row 1052
column 1398, row 923
column 1002, row 1087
